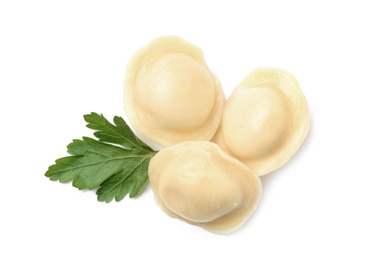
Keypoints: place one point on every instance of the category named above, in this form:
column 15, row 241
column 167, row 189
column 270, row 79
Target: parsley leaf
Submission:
column 120, row 133
column 116, row 164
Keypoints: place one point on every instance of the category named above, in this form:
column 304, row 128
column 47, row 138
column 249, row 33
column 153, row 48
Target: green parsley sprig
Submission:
column 115, row 165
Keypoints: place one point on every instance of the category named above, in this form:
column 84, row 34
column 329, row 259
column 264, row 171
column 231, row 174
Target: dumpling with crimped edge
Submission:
column 265, row 120
column 170, row 94
column 198, row 183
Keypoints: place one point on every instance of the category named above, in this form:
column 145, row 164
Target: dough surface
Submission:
column 198, row 183
column 170, row 94
column 265, row 120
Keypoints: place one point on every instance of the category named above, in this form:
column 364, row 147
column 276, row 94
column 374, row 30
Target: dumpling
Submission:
column 170, row 94
column 197, row 182
column 265, row 120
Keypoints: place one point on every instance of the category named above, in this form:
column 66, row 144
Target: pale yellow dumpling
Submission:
column 265, row 120
column 198, row 183
column 170, row 95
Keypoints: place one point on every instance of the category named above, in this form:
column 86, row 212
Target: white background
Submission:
column 62, row 59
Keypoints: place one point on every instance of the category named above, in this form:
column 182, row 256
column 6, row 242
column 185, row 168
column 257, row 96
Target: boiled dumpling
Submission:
column 170, row 94
column 265, row 120
column 197, row 182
